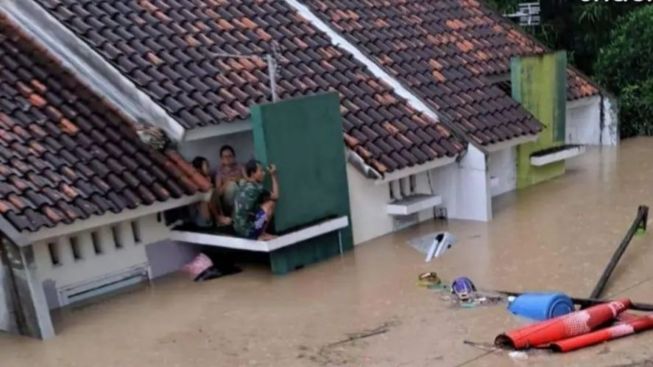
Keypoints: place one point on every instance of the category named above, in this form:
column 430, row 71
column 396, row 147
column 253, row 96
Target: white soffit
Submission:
column 238, row 243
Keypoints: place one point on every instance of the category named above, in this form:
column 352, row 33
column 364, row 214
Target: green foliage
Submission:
column 613, row 42
column 623, row 66
column 504, row 6
column 580, row 28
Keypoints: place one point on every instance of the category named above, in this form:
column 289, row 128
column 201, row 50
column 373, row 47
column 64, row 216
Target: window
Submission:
column 74, row 247
column 136, row 231
column 53, row 250
column 96, row 243
column 115, row 232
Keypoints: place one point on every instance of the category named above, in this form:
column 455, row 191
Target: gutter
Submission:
column 408, row 171
column 491, row 148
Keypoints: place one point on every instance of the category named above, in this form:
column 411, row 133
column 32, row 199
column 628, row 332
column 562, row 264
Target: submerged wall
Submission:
column 539, row 84
column 502, row 169
column 463, row 187
column 584, row 121
column 71, row 262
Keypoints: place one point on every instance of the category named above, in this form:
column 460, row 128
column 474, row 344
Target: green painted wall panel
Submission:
column 539, row 84
column 305, row 253
column 303, row 137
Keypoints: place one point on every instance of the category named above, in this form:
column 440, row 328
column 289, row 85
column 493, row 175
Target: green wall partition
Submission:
column 539, row 84
column 303, row 138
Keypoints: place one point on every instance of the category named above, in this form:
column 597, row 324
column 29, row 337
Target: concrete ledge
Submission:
column 413, row 204
column 558, row 155
column 237, row 243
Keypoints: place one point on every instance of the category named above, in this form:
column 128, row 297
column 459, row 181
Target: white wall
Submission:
column 242, row 142
column 584, row 121
column 367, row 202
column 610, row 133
column 463, row 186
column 502, row 169
column 92, row 265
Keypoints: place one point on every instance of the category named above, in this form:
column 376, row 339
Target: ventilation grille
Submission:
column 104, row 285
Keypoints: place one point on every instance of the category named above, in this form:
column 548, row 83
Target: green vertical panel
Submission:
column 560, row 97
column 539, row 84
column 303, row 137
column 307, row 252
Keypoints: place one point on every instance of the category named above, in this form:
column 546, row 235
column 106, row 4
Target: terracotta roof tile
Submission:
column 69, row 151
column 199, row 89
column 436, row 48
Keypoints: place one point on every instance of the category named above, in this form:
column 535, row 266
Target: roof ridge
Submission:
column 257, row 25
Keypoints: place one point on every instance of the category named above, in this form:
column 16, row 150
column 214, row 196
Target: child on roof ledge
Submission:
column 207, row 214
column 254, row 205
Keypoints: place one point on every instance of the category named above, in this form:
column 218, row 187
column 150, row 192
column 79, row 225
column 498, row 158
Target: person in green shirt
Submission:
column 254, row 205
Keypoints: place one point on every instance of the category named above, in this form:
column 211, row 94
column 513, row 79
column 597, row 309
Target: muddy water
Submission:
column 555, row 236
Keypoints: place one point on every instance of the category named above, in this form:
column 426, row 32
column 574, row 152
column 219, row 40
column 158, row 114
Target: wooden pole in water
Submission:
column 639, row 223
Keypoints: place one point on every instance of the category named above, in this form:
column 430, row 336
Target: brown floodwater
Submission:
column 555, row 236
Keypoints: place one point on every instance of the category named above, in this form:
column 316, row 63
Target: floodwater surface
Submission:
column 365, row 309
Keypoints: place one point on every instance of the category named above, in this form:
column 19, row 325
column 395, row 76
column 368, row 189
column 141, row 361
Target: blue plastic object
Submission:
column 541, row 306
column 463, row 288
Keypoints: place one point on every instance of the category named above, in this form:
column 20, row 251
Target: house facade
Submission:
column 429, row 123
column 81, row 193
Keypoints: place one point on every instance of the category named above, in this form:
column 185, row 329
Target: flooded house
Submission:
column 416, row 111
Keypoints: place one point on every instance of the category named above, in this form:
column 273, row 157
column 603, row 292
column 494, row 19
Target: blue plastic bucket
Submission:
column 541, row 306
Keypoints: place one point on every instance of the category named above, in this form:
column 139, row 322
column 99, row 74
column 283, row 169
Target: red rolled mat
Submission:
column 563, row 327
column 632, row 326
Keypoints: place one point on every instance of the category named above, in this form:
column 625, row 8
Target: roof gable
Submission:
column 175, row 50
column 65, row 155
column 439, row 49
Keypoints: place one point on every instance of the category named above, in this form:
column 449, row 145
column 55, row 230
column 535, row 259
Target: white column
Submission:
column 473, row 196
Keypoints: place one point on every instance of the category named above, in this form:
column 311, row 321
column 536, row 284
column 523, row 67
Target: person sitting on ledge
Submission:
column 254, row 205
column 227, row 178
column 207, row 214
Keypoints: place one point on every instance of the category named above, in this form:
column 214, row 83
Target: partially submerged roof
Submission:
column 65, row 155
column 438, row 49
column 468, row 32
column 174, row 50
column 505, row 40
column 443, row 51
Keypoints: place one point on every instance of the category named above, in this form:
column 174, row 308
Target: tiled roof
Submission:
column 466, row 32
column 440, row 50
column 65, row 155
column 169, row 49
column 579, row 86
column 507, row 40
